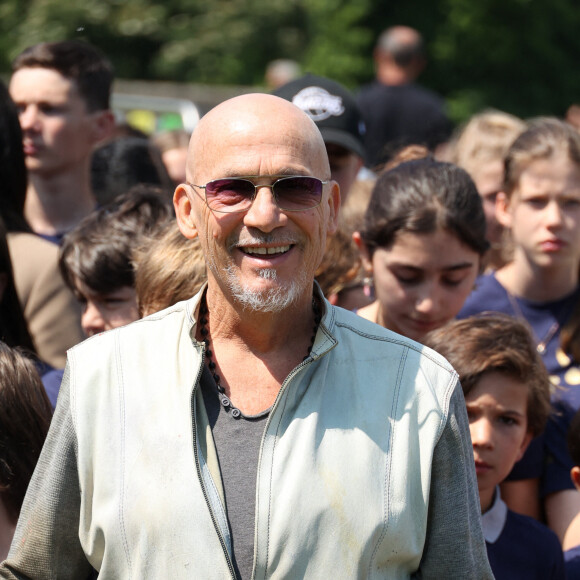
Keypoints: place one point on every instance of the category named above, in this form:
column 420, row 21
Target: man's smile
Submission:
column 263, row 251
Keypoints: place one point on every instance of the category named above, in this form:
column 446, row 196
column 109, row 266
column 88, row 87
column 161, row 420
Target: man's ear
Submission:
column 184, row 211
column 503, row 212
column 334, row 202
column 364, row 252
column 103, row 126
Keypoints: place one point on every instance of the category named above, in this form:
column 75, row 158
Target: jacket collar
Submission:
column 324, row 341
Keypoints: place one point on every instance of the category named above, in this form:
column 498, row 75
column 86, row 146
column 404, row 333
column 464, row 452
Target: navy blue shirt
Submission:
column 520, row 547
column 572, row 561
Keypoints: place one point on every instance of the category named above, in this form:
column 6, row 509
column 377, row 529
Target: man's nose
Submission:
column 264, row 213
column 28, row 117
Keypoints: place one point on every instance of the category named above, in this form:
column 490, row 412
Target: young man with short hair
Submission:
column 61, row 90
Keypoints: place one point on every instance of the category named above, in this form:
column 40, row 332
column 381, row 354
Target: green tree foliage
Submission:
column 515, row 55
column 338, row 42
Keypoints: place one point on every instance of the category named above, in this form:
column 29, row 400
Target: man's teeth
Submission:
column 264, row 251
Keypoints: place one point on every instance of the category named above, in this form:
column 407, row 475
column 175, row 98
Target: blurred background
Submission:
column 520, row 56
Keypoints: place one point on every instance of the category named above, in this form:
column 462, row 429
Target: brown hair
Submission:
column 169, row 268
column 541, row 140
column 406, row 153
column 77, row 61
column 422, row 196
column 98, row 251
column 25, row 415
column 496, row 343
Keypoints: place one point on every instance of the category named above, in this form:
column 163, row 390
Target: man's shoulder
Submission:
column 417, row 94
column 424, row 95
column 27, row 241
column 354, row 328
column 373, row 92
column 145, row 332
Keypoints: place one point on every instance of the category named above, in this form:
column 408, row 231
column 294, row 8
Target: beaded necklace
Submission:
column 203, row 320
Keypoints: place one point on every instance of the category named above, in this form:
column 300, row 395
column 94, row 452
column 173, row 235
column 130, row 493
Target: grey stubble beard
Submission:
column 275, row 299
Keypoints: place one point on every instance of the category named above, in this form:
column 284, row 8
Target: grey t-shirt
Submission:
column 237, row 443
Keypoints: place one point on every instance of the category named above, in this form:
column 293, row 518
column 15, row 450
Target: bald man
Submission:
column 396, row 110
column 254, row 431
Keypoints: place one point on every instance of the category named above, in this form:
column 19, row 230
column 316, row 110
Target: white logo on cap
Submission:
column 318, row 103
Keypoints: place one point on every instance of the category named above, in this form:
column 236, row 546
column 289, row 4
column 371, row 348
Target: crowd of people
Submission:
column 329, row 334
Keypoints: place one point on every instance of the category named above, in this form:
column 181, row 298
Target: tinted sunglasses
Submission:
column 236, row 194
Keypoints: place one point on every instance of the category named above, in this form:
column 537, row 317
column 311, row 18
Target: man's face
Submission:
column 264, row 146
column 58, row 131
column 344, row 167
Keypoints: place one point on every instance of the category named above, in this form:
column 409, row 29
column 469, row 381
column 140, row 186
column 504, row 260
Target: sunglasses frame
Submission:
column 248, row 179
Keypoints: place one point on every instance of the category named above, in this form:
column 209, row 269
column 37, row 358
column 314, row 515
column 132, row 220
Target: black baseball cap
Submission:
column 331, row 106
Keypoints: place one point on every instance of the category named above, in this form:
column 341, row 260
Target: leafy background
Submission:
column 516, row 55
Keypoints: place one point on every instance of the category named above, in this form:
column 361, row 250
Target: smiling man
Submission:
column 254, row 430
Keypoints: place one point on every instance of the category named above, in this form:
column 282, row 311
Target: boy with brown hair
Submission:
column 506, row 389
column 96, row 257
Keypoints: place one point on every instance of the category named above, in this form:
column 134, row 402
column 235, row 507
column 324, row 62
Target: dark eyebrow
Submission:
column 453, row 268
column 513, row 412
column 460, row 266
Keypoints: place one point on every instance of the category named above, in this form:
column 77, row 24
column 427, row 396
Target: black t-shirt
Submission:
column 401, row 115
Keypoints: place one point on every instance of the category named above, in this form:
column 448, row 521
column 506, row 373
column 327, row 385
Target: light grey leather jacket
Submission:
column 365, row 469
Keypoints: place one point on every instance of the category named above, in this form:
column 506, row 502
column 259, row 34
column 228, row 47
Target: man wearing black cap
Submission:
column 334, row 110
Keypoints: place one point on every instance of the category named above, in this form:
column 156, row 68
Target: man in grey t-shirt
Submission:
column 254, row 430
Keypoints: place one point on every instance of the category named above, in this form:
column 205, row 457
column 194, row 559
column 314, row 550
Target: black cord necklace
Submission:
column 203, row 320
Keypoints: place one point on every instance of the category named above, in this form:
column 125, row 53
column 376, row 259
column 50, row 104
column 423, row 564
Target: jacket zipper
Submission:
column 199, row 475
column 289, row 378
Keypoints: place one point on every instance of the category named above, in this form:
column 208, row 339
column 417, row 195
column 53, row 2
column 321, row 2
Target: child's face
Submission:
column 544, row 213
column 422, row 281
column 106, row 311
column 497, row 411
